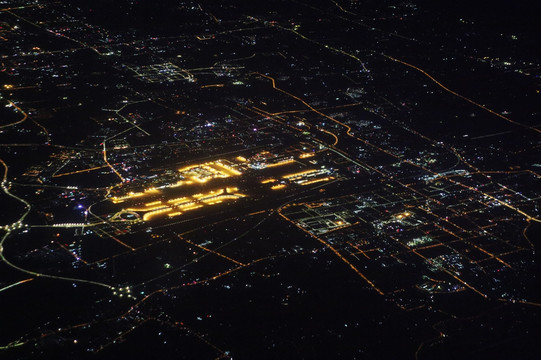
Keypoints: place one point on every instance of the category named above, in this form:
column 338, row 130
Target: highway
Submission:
column 390, row 177
column 462, row 96
column 23, row 119
column 19, row 225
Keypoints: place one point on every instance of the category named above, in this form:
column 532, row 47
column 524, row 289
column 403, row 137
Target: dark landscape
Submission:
column 288, row 179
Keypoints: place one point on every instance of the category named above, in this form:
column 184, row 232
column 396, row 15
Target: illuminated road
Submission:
column 80, row 171
column 392, row 154
column 390, row 176
column 16, row 284
column 23, row 119
column 18, row 225
column 417, row 186
column 109, row 164
column 462, row 96
column 332, row 248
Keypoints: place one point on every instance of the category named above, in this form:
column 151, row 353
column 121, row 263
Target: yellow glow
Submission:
column 188, row 168
column 211, row 85
column 299, row 174
column 177, row 200
column 197, row 173
column 147, row 208
column 241, row 159
column 200, row 180
column 192, row 174
column 211, row 193
column 306, row 155
column 208, row 202
column 202, row 173
column 151, row 214
column 278, row 187
column 177, row 206
column 228, row 169
column 179, row 183
column 220, row 197
column 153, row 203
column 403, row 215
column 280, row 163
column 310, row 182
column 130, row 195
column 185, row 205
column 192, row 207
column 268, row 181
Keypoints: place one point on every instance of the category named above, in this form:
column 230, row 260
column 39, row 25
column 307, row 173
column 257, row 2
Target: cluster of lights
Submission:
column 299, row 175
column 314, row 181
column 202, row 173
column 132, row 195
column 123, row 292
column 281, row 163
column 199, row 173
column 403, row 215
column 14, row 226
column 178, row 206
column 66, row 225
column 149, row 215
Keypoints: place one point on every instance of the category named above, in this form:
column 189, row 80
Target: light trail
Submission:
column 109, row 164
column 212, row 86
column 182, row 235
column 453, row 275
column 20, row 7
column 16, row 284
column 273, row 81
column 80, row 171
column 320, row 109
column 44, row 130
column 526, row 215
column 526, row 236
column 360, row 251
column 108, row 235
column 215, row 253
column 71, row 253
column 25, row 116
column 47, row 276
column 333, row 249
column 325, row 46
column 330, row 133
column 183, row 327
column 342, row 9
column 418, row 69
column 117, row 112
column 121, row 132
column 462, row 96
column 399, row 158
column 8, row 193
